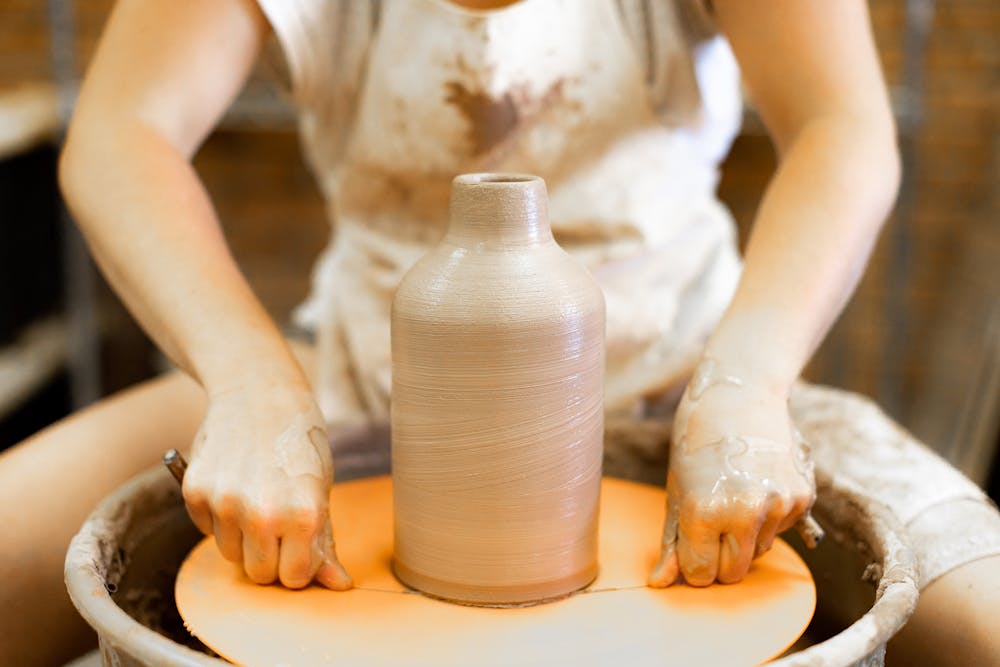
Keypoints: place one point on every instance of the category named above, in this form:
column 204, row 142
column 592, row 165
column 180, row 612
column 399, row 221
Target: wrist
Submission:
column 746, row 371
column 256, row 368
column 755, row 358
column 742, row 383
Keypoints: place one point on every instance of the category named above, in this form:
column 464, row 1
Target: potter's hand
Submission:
column 258, row 480
column 739, row 475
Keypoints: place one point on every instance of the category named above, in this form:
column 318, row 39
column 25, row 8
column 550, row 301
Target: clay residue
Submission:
column 708, row 375
column 292, row 456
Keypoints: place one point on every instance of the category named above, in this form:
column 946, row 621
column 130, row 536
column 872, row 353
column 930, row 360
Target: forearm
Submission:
column 810, row 242
column 811, row 69
column 153, row 231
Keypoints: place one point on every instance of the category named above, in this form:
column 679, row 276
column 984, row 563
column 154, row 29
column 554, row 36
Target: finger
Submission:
column 295, row 561
column 698, row 551
column 198, row 510
column 667, row 569
column 331, row 573
column 769, row 529
column 736, row 551
column 260, row 553
column 229, row 539
column 800, row 508
column 299, row 558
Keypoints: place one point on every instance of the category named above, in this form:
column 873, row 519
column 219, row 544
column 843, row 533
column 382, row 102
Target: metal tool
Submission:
column 176, row 464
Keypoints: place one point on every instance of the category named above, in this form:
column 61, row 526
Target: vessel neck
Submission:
column 506, row 210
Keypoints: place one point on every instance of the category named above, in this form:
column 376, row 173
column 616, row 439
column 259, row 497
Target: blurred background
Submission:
column 921, row 336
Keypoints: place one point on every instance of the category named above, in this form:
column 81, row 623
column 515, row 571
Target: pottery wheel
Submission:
column 616, row 620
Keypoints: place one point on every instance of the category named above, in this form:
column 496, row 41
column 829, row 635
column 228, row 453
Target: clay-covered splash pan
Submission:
column 122, row 565
column 616, row 620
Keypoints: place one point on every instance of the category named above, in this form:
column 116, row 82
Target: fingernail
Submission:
column 333, row 575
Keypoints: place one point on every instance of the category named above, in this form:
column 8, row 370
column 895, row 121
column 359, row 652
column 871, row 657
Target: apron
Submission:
column 549, row 87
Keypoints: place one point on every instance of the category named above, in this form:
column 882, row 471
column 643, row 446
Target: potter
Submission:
column 625, row 108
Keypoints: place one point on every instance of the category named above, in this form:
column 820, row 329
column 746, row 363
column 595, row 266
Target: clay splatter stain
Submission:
column 493, row 119
column 490, row 119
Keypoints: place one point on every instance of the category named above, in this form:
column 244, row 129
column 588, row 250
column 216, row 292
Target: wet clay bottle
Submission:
column 497, row 405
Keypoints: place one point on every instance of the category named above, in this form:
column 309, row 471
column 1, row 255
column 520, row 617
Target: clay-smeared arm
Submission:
column 260, row 469
column 737, row 472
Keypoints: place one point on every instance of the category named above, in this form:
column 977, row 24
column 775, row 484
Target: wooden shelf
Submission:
column 30, row 361
column 29, row 116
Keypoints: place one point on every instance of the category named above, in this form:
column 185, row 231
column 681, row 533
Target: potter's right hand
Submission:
column 259, row 479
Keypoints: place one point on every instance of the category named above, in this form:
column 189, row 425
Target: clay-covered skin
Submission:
column 267, row 507
column 736, row 475
column 739, row 475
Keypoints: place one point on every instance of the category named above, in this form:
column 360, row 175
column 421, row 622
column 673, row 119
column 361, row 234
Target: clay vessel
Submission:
column 497, row 405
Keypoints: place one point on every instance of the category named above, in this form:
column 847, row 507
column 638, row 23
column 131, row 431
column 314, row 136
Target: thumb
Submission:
column 667, row 569
column 331, row 573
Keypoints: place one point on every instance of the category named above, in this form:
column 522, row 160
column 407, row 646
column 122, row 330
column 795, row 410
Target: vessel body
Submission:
column 497, row 411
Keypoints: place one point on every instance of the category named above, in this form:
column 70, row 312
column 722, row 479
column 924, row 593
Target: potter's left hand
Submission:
column 739, row 475
column 259, row 481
